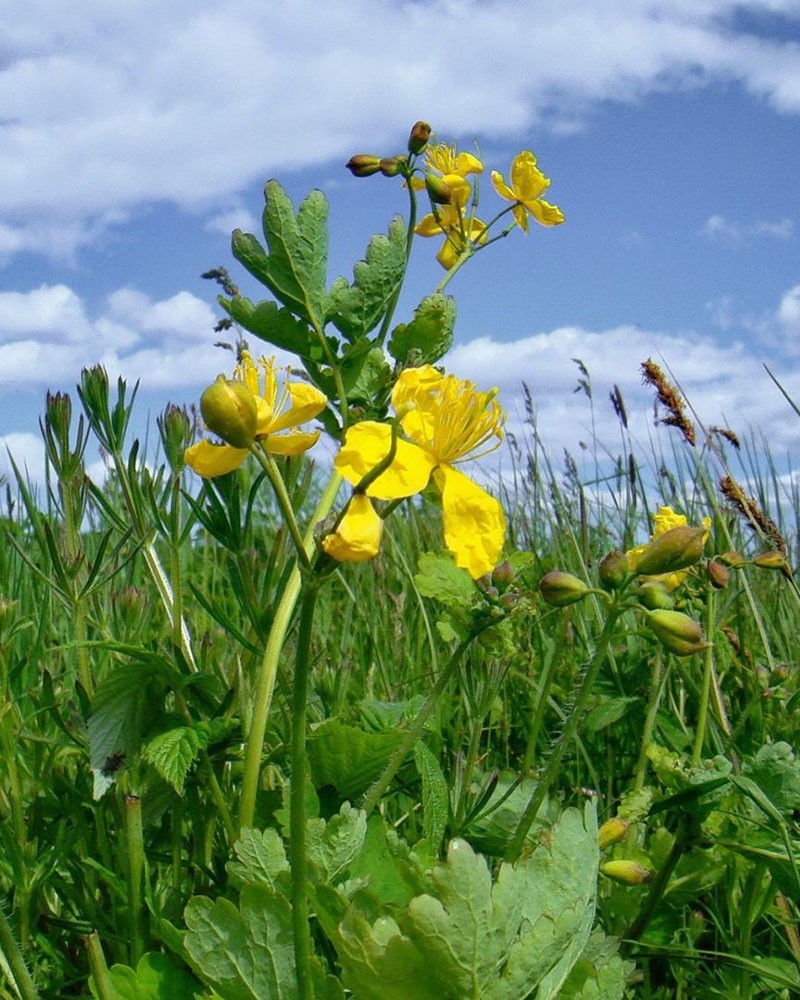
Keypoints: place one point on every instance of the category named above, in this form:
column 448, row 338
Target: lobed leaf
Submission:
column 429, row 335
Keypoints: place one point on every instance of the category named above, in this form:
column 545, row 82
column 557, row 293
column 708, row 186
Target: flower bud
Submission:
column 439, row 191
column 772, row 560
column 654, row 595
column 363, row 165
column 677, row 631
column 626, row 872
column 175, row 429
column 418, row 139
column 612, row 832
column 229, row 410
column 503, row 575
column 392, row 166
column 613, row 570
column 560, row 589
column 675, row 549
column 718, row 574
column 731, row 559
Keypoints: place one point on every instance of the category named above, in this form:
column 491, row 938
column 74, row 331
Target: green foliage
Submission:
column 156, row 977
column 348, row 758
column 429, row 335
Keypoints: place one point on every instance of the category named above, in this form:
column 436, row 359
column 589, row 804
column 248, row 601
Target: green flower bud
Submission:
column 229, row 410
column 675, row 549
column 719, row 575
column 613, row 570
column 392, row 166
column 677, row 632
column 733, row 559
column 560, row 589
column 503, row 575
column 612, row 832
column 772, row 560
column 654, row 595
column 439, row 191
column 175, row 429
column 418, row 139
column 626, row 872
column 363, row 165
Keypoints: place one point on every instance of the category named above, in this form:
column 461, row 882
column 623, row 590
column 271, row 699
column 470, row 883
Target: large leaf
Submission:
column 333, row 845
column 348, row 758
column 295, row 266
column 156, row 977
column 429, row 334
column 267, row 321
column 357, row 308
column 261, row 857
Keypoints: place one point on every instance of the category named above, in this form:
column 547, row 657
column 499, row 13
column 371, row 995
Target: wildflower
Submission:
column 528, row 184
column 444, row 159
column 665, row 521
column 358, row 534
column 460, row 231
column 445, row 421
column 276, row 418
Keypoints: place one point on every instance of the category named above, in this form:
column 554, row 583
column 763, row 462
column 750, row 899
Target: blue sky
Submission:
column 134, row 136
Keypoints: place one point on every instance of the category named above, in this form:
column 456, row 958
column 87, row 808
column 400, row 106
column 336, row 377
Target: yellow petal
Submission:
column 428, row 226
column 526, row 178
column 210, row 460
column 306, row 402
column 358, row 536
column 291, row 443
column 474, row 523
column 545, row 213
column 466, row 163
column 501, row 187
column 368, row 443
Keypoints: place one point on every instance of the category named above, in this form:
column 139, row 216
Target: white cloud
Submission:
column 789, row 312
column 27, row 450
column 723, row 230
column 110, row 106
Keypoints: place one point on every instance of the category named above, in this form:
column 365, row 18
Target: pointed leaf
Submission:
column 435, row 796
column 172, row 754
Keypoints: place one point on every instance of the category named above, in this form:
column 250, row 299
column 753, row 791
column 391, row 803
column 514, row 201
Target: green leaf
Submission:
column 776, row 770
column 156, row 977
column 429, row 335
column 270, row 323
column 295, row 267
column 439, row 577
column 347, row 758
column 172, row 754
column 126, row 705
column 599, row 974
column 607, row 712
column 365, row 372
column 333, row 845
column 356, row 309
column 435, row 796
column 261, row 858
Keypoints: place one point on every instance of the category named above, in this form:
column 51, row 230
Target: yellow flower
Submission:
column 664, row 520
column 446, row 420
column 459, row 230
column 443, row 158
column 528, row 184
column 358, row 535
column 277, row 417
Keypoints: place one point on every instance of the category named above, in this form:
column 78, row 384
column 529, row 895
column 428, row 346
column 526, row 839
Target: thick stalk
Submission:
column 548, row 776
column 269, row 665
column 16, row 963
column 135, row 844
column 99, row 969
column 297, row 795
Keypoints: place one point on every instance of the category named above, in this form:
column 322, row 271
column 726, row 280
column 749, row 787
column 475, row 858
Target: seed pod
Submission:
column 718, row 574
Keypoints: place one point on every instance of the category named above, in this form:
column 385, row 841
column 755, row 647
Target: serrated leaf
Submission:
column 439, row 577
column 356, row 309
column 333, row 845
column 172, row 754
column 435, row 795
column 261, row 857
column 294, row 268
column 126, row 705
column 347, row 758
column 270, row 323
column 776, row 770
column 429, row 335
column 156, row 977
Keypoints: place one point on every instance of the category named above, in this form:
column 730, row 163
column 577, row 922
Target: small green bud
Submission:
column 626, row 872
column 560, row 589
column 612, row 832
column 677, row 632
column 229, row 410
column 733, row 559
column 393, row 165
column 613, row 570
column 439, row 191
column 418, row 139
column 772, row 560
column 175, row 429
column 719, row 575
column 654, row 595
column 363, row 165
column 676, row 549
column 503, row 575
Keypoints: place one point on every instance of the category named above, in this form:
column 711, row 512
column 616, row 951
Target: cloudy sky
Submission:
column 135, row 135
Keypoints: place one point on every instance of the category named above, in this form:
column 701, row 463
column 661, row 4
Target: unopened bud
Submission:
column 612, row 832
column 439, row 191
column 654, row 595
column 719, row 575
column 229, row 410
column 363, row 165
column 731, row 559
column 626, row 872
column 175, row 429
column 560, row 589
column 675, row 549
column 418, row 139
column 613, row 570
column 392, row 166
column 677, row 631
column 772, row 560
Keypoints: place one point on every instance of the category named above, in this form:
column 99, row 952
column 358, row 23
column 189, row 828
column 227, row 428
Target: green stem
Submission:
column 412, row 222
column 135, row 844
column 708, row 672
column 99, row 969
column 659, row 886
column 269, row 666
column 654, row 700
column 543, row 694
column 16, row 963
column 268, row 464
column 297, row 794
column 568, row 734
column 412, row 734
